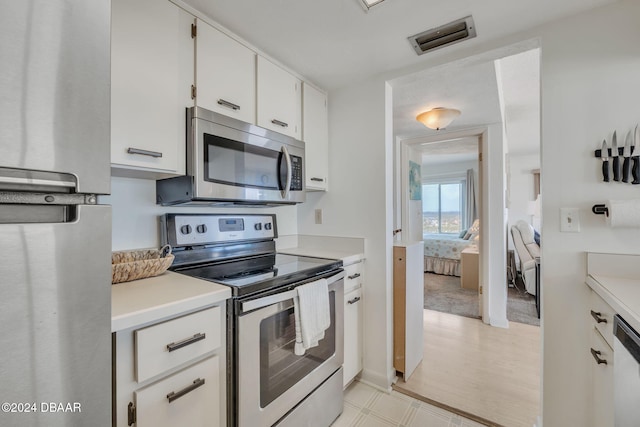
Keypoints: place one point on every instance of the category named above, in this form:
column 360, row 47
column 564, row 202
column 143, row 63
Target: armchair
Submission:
column 527, row 251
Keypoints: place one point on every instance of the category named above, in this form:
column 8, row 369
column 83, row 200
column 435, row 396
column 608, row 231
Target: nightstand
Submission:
column 469, row 267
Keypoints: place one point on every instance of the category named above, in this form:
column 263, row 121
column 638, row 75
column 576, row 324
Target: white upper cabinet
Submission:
column 225, row 74
column 279, row 99
column 151, row 77
column 315, row 134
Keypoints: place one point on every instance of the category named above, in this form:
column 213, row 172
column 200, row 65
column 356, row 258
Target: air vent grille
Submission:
column 445, row 35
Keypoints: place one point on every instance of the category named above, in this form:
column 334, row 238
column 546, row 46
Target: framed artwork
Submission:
column 415, row 181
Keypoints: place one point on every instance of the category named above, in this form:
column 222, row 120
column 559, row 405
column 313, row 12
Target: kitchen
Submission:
column 350, row 208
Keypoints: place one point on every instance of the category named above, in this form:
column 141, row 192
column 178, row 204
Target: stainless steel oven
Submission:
column 233, row 162
column 268, row 384
column 271, row 377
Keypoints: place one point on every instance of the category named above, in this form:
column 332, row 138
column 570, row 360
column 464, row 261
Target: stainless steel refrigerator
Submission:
column 55, row 239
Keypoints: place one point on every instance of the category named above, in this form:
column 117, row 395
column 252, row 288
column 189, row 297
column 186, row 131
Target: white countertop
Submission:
column 156, row 298
column 622, row 294
column 347, row 257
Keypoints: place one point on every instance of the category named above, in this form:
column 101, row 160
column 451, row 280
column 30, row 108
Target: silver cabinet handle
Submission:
column 317, row 179
column 279, row 123
column 142, row 152
column 596, row 355
column 598, row 316
column 353, row 276
column 228, row 104
column 353, row 301
column 178, row 394
column 176, row 345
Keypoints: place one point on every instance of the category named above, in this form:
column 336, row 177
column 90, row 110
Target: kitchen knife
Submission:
column 635, row 151
column 604, row 156
column 616, row 157
column 626, row 153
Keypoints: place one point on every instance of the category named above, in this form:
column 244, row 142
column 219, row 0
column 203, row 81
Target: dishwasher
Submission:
column 626, row 373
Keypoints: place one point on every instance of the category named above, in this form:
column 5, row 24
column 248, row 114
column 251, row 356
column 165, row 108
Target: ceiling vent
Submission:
column 445, row 35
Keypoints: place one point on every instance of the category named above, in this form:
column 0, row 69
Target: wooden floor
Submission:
column 486, row 373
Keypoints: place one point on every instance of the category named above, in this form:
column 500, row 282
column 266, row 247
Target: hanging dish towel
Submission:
column 311, row 313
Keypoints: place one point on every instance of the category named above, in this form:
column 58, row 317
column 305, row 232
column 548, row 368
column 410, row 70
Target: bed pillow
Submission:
column 462, row 234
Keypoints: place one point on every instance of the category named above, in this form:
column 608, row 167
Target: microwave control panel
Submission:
column 297, row 177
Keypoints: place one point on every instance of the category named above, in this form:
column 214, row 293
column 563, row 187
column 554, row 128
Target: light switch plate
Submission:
column 318, row 216
column 570, row 220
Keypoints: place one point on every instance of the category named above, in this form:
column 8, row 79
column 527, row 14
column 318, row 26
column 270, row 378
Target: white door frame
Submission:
column 491, row 213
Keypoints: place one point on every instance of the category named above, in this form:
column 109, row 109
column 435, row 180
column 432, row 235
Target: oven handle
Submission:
column 274, row 299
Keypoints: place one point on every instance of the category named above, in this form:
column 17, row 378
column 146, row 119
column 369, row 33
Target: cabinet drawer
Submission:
column 352, row 277
column 187, row 398
column 599, row 309
column 164, row 346
column 602, row 410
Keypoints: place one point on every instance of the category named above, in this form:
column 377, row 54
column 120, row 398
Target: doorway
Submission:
column 497, row 139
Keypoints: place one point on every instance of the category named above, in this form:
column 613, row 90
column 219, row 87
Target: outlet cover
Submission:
column 318, row 213
column 570, row 220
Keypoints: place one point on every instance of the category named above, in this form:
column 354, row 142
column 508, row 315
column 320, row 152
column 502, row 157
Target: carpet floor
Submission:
column 444, row 294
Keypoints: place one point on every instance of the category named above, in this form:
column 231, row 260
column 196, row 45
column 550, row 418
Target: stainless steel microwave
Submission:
column 230, row 162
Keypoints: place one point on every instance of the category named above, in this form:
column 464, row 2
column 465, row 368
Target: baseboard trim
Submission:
column 376, row 380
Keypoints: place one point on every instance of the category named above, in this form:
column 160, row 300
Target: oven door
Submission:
column 236, row 161
column 272, row 379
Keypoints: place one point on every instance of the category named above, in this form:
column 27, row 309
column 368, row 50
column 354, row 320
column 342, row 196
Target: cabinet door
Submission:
column 279, row 99
column 225, row 74
column 187, row 398
column 352, row 334
column 315, row 134
column 151, row 77
column 602, row 406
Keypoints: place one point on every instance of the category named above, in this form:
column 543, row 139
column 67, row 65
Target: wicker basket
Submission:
column 139, row 264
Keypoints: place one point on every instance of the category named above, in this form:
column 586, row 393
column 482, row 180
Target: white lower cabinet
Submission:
column 353, row 312
column 602, row 405
column 182, row 399
column 172, row 372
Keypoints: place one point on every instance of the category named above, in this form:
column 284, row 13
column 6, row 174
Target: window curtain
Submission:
column 471, row 210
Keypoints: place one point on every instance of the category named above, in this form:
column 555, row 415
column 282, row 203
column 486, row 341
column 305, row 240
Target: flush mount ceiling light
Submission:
column 368, row 4
column 438, row 118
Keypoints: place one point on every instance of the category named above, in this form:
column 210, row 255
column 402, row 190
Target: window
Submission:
column 442, row 207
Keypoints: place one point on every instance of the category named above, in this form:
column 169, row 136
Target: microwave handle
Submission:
column 287, row 185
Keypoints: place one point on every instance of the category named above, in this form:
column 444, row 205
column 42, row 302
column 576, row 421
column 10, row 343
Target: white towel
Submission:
column 311, row 313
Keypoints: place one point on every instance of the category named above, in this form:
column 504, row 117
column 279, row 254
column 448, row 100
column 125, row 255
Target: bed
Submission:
column 442, row 253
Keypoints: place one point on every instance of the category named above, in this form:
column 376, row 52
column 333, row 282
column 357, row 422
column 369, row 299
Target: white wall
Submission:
column 135, row 214
column 446, row 169
column 359, row 204
column 521, row 167
column 590, row 87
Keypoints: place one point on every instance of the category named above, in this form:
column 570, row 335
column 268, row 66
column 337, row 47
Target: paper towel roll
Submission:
column 624, row 213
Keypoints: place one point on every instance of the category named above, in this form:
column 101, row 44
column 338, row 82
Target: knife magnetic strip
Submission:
column 610, row 154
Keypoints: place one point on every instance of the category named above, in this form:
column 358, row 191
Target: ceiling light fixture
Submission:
column 368, row 4
column 438, row 118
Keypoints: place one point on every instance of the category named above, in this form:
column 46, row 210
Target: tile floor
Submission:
column 365, row 406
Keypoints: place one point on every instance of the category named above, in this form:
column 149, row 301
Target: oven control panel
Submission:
column 203, row 229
